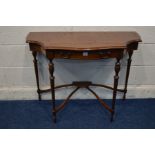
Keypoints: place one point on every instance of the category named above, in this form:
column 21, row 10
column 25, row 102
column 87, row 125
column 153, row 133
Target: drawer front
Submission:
column 85, row 55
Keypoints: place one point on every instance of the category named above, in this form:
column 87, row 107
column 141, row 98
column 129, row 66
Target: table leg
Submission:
column 51, row 71
column 127, row 73
column 116, row 77
column 36, row 73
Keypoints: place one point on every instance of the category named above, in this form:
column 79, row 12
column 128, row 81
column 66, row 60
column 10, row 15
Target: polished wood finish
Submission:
column 82, row 40
column 83, row 46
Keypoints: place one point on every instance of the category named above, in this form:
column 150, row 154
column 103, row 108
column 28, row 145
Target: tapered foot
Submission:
column 124, row 97
column 39, row 96
column 112, row 117
column 54, row 117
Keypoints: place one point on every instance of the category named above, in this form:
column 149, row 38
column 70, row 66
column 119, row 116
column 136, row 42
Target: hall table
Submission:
column 83, row 46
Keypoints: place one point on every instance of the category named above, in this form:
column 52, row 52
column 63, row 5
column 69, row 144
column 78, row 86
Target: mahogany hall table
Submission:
column 87, row 46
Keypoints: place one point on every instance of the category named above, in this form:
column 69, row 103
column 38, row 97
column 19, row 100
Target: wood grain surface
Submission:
column 82, row 40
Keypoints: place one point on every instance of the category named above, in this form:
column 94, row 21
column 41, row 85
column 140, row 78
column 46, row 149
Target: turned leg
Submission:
column 51, row 71
column 36, row 73
column 116, row 77
column 127, row 73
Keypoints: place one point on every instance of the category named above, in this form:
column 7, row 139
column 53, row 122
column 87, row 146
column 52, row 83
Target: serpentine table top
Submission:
column 83, row 40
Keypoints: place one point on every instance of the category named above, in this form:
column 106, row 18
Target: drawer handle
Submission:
column 85, row 54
